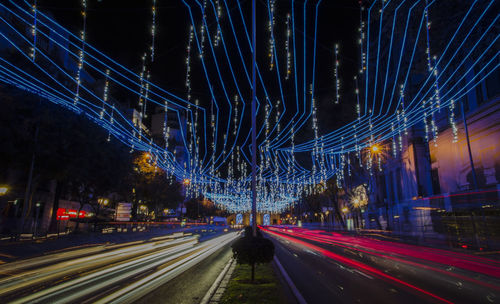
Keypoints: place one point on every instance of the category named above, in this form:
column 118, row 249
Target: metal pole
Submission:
column 27, row 193
column 254, row 134
column 473, row 170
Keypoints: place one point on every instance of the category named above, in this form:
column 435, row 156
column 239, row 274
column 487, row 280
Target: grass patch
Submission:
column 265, row 289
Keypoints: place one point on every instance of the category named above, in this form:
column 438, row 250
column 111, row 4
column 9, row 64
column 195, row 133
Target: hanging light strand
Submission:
column 153, row 30
column 105, row 95
column 81, row 53
column 336, row 75
column 34, row 29
column 288, row 48
column 272, row 42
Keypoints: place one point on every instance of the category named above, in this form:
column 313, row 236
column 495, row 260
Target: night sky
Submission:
column 121, row 29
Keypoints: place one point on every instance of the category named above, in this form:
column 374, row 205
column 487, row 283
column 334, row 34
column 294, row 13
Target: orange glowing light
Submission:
column 375, row 149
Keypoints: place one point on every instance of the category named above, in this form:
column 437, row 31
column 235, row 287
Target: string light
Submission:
column 271, row 35
column 202, row 29
column 453, row 124
column 81, row 53
column 336, row 75
column 287, row 48
column 34, row 29
column 219, row 15
column 284, row 178
column 153, row 31
column 105, row 95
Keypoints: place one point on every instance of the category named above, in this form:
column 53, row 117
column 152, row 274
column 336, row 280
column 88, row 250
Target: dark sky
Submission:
column 121, row 29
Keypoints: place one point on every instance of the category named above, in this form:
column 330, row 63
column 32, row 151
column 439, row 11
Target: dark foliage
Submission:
column 252, row 250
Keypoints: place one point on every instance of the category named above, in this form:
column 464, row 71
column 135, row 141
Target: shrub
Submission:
column 253, row 250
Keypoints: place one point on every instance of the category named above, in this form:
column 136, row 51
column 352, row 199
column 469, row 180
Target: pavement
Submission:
column 331, row 267
column 174, row 268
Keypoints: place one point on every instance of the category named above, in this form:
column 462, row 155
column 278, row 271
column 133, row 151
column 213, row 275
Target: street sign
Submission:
column 123, row 211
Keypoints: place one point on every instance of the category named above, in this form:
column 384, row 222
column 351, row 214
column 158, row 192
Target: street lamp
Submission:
column 355, row 202
column 4, row 190
column 103, row 201
column 186, row 182
column 375, row 149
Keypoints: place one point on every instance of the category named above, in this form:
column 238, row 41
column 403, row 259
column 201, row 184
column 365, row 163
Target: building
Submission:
column 445, row 184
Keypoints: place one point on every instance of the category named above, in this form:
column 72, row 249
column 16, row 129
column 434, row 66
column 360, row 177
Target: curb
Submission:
column 217, row 289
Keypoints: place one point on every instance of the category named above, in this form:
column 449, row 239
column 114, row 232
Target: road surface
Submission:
column 116, row 273
column 330, row 267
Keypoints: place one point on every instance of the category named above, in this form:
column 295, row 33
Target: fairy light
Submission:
column 141, row 94
column 166, row 135
column 153, row 31
column 105, row 95
column 267, row 135
column 235, row 119
column 217, row 36
column 146, row 96
column 289, row 161
column 336, row 75
column 272, row 42
column 315, row 129
column 394, row 149
column 403, row 111
column 166, row 128
column 111, row 121
column 452, row 121
column 202, row 29
column 81, row 53
column 196, row 138
column 426, row 124
column 400, row 138
column 213, row 145
column 361, row 40
column 34, row 29
column 276, row 167
column 188, row 63
column 434, row 129
column 273, row 186
column 287, row 48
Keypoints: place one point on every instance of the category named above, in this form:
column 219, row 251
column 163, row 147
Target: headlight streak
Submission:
column 48, row 273
column 130, row 263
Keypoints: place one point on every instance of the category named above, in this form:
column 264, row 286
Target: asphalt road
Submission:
column 336, row 268
column 190, row 287
column 139, row 271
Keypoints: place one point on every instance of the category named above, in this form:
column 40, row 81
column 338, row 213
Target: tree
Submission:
column 152, row 186
column 252, row 250
column 70, row 150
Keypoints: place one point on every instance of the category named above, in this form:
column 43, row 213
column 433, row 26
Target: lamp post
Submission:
column 344, row 211
column 254, row 133
column 3, row 190
column 37, row 214
column 473, row 170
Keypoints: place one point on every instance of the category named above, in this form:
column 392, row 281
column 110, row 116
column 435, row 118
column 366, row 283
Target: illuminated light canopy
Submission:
column 212, row 148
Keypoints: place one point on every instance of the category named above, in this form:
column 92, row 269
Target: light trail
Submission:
column 134, row 268
column 418, row 258
column 403, row 253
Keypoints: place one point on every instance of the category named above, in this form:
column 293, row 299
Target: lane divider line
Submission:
column 290, row 283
